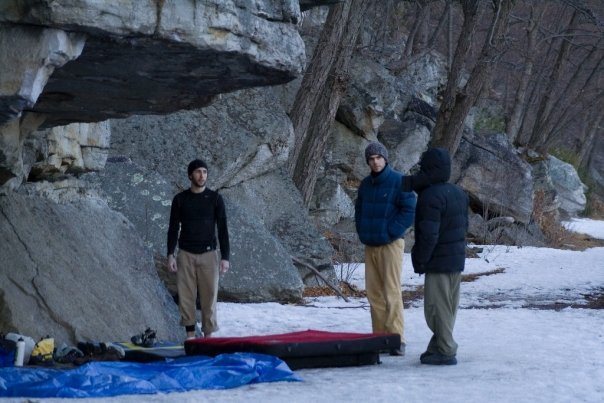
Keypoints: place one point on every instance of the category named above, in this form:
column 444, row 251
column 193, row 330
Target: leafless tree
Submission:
column 457, row 101
column 322, row 88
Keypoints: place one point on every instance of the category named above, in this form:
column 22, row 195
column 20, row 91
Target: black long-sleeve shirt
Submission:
column 197, row 215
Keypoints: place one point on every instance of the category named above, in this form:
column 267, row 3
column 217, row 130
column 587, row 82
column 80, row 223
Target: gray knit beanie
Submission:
column 375, row 148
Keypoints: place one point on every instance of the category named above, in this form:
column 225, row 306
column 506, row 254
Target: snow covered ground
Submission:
column 523, row 337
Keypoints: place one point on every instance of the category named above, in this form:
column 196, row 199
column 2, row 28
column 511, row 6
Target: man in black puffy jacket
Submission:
column 441, row 222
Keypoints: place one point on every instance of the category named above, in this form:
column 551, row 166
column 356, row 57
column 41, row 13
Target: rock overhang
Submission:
column 160, row 56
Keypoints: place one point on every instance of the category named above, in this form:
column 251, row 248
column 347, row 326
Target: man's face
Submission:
column 376, row 163
column 199, row 177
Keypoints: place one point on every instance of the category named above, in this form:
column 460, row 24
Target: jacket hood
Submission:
column 435, row 167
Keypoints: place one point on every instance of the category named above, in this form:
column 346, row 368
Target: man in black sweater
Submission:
column 196, row 213
column 441, row 222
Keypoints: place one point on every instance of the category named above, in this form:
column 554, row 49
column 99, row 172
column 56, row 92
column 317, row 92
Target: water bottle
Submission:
column 20, row 352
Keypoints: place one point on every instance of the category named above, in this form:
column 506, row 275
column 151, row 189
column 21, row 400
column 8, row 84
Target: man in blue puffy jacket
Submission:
column 441, row 222
column 383, row 213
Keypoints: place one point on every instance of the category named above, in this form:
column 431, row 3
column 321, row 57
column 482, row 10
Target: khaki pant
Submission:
column 383, row 267
column 198, row 273
column 441, row 299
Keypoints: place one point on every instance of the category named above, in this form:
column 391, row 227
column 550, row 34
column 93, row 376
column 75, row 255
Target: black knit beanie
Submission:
column 193, row 165
column 375, row 148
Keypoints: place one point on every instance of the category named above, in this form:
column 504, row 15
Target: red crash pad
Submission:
column 305, row 349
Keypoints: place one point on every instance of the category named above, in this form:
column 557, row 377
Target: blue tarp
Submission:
column 112, row 378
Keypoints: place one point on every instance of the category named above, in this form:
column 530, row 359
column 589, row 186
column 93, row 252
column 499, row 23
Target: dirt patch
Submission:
column 349, row 290
column 594, row 301
column 468, row 278
column 411, row 296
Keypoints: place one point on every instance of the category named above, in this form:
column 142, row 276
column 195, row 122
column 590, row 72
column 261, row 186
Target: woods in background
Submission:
column 538, row 64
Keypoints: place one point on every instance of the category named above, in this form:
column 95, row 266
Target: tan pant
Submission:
column 383, row 267
column 198, row 273
column 441, row 299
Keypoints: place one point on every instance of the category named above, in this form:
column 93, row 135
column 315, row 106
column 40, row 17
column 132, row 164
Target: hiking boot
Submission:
column 438, row 359
column 398, row 352
column 425, row 354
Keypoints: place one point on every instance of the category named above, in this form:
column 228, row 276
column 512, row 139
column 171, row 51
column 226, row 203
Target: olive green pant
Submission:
column 441, row 299
column 198, row 274
column 383, row 267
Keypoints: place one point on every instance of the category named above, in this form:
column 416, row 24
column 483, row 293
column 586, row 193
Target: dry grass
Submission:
column 556, row 235
column 347, row 289
column 579, row 242
column 595, row 208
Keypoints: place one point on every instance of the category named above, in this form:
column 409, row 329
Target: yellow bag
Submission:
column 42, row 352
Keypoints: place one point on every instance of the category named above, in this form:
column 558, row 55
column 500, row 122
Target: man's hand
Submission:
column 224, row 266
column 172, row 264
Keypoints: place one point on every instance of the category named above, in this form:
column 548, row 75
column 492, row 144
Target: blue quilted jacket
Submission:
column 383, row 212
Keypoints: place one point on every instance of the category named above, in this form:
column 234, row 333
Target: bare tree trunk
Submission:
column 524, row 134
column 440, row 26
column 571, row 115
column 588, row 144
column 408, row 60
column 537, row 138
column 418, row 21
column 422, row 34
column 521, row 98
column 316, row 76
column 571, row 96
column 319, row 113
column 456, row 105
column 450, row 37
column 470, row 11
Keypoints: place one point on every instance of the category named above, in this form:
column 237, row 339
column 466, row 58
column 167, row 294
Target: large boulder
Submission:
column 407, row 136
column 274, row 201
column 497, row 180
column 244, row 140
column 241, row 136
column 546, row 199
column 372, row 96
column 596, row 167
column 77, row 271
column 261, row 268
column 568, row 186
column 142, row 195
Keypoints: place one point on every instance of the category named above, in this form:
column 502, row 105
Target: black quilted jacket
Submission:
column 441, row 216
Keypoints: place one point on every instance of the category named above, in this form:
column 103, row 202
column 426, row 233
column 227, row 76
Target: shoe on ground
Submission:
column 145, row 339
column 438, row 359
column 425, row 354
column 398, row 352
column 198, row 331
